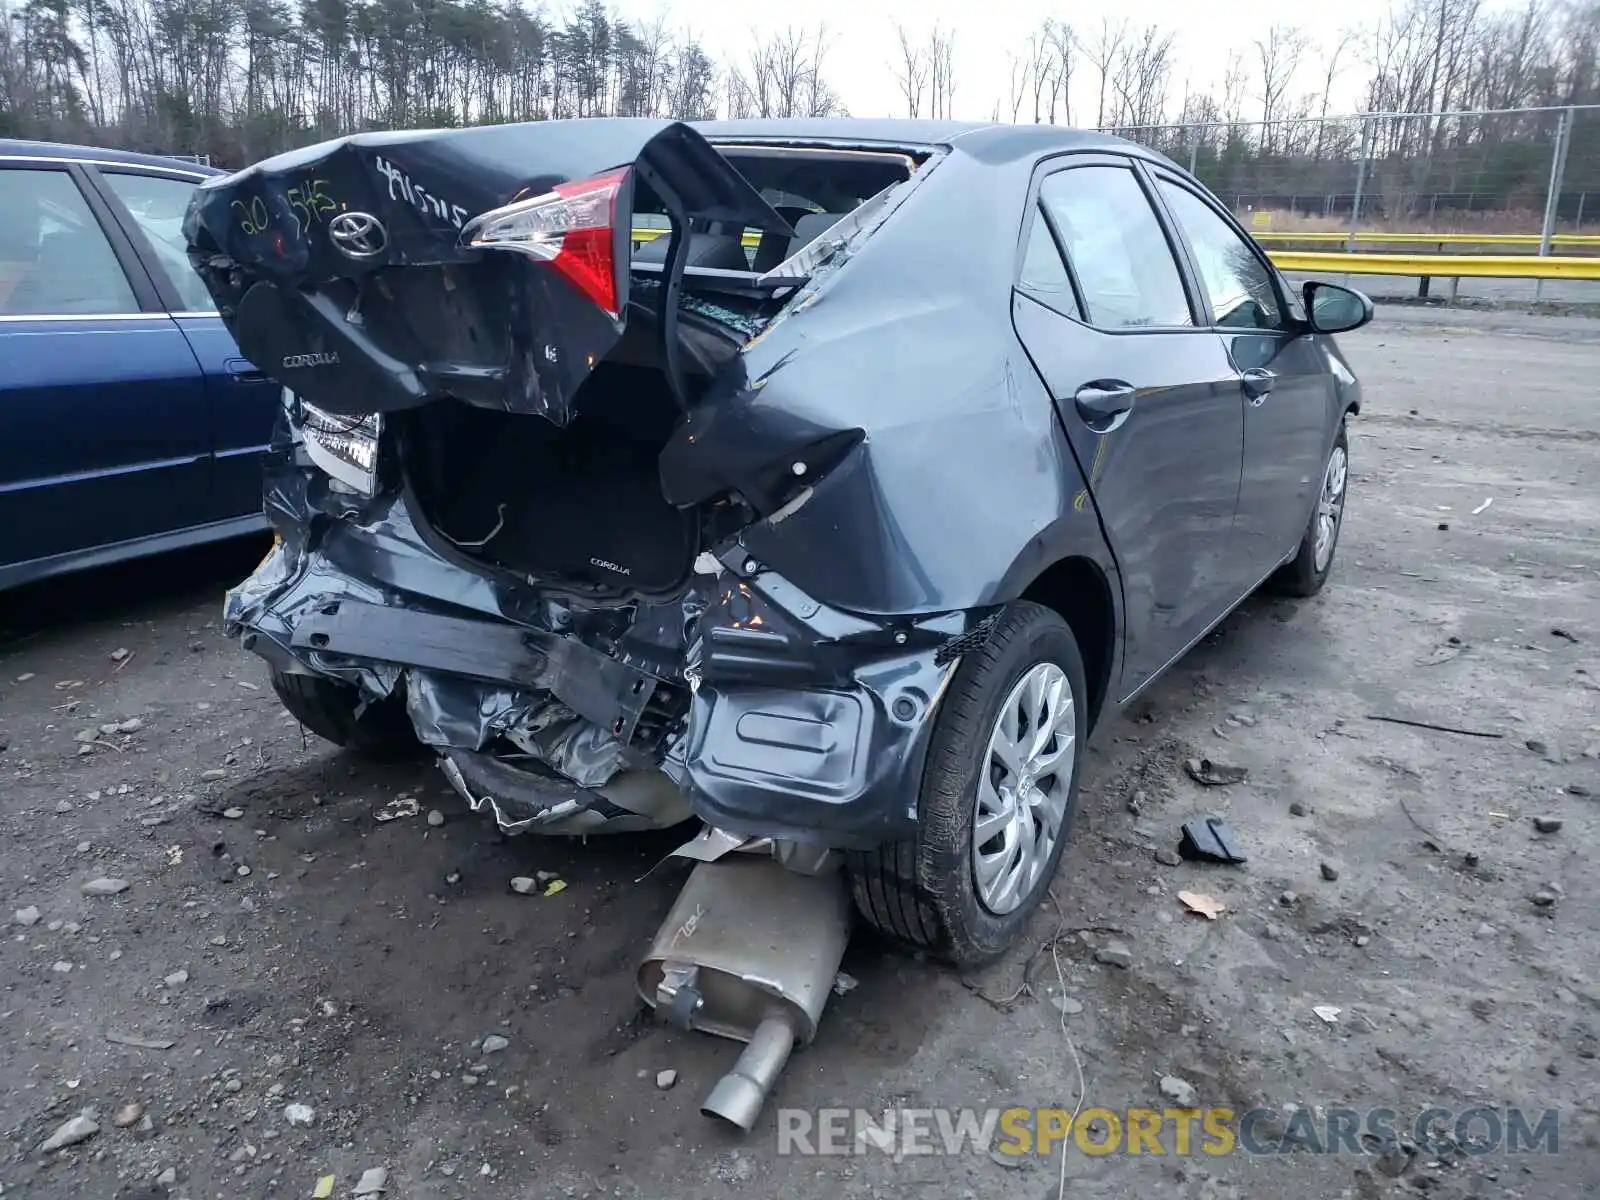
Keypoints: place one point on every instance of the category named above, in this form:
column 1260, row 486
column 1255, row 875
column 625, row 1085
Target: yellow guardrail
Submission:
column 1427, row 239
column 1448, row 266
column 750, row 240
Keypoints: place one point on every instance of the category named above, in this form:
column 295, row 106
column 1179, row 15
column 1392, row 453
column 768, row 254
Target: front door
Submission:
column 1148, row 400
column 1288, row 391
column 103, row 430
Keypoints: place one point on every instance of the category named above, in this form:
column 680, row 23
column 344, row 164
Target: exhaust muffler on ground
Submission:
column 749, row 951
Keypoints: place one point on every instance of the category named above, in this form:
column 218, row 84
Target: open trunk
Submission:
column 484, row 297
column 575, row 503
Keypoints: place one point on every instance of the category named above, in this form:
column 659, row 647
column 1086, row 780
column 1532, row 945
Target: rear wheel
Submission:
column 334, row 711
column 1305, row 574
column 996, row 801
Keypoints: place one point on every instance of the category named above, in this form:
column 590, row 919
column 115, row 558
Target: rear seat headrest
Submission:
column 722, row 251
column 810, row 227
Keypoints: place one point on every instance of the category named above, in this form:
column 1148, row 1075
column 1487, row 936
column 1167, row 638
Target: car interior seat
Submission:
column 722, row 251
column 774, row 247
column 810, row 227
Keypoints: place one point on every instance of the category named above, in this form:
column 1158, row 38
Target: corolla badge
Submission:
column 326, row 358
column 358, row 235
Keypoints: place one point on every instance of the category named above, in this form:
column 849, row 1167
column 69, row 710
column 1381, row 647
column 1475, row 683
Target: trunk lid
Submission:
column 383, row 271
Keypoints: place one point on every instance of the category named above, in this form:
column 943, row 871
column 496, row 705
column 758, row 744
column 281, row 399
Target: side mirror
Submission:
column 1331, row 308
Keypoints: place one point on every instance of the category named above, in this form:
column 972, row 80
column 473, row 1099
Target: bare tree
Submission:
column 1279, row 57
column 1063, row 46
column 784, row 77
column 1103, row 54
column 941, row 70
column 1041, row 69
column 1142, row 74
column 1329, row 75
column 1234, row 80
column 1017, row 87
column 912, row 72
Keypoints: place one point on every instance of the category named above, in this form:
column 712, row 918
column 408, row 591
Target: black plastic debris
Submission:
column 1210, row 840
column 1212, row 774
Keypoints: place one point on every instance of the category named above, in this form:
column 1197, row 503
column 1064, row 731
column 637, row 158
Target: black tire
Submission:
column 332, row 710
column 1300, row 576
column 923, row 891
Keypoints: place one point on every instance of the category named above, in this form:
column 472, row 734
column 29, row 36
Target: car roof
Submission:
column 985, row 139
column 16, row 148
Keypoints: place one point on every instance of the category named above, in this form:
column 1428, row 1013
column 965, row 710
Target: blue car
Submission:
column 130, row 424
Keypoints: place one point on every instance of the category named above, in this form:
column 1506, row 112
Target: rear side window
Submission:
column 157, row 204
column 1240, row 288
column 1043, row 272
column 1125, row 268
column 54, row 257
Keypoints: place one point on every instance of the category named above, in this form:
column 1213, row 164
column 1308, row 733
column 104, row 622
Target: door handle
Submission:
column 1257, row 383
column 1105, row 403
column 242, row 370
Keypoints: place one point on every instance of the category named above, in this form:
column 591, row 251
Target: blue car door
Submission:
column 243, row 402
column 103, row 425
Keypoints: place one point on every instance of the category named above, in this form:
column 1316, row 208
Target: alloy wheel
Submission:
column 1330, row 507
column 1023, row 788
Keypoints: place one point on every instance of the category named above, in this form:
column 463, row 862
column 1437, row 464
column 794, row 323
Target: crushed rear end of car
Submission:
column 526, row 470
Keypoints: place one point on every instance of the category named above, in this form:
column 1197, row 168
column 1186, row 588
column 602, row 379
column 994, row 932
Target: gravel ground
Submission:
column 277, row 945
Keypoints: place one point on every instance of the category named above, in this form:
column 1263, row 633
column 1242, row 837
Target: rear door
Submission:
column 242, row 401
column 103, row 430
column 1289, row 396
column 1148, row 398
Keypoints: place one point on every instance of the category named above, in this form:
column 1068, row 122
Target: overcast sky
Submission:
column 860, row 59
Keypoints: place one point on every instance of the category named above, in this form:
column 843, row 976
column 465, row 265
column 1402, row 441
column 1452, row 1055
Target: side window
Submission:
column 54, row 257
column 158, row 205
column 1043, row 272
column 1115, row 244
column 1242, row 293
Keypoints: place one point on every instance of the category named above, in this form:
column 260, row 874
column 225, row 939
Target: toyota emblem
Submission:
column 358, row 235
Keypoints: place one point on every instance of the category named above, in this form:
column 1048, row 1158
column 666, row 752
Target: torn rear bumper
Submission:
column 770, row 713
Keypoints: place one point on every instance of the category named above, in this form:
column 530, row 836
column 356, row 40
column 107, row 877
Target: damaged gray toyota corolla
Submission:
column 822, row 480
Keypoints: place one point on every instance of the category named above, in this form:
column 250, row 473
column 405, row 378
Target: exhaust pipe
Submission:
column 749, row 951
column 740, row 1093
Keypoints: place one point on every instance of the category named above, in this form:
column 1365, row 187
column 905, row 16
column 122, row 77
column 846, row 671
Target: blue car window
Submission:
column 54, row 257
column 158, row 205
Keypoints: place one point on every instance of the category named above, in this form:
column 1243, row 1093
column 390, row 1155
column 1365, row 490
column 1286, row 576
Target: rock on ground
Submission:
column 70, row 1133
column 1180, row 1091
column 1114, row 954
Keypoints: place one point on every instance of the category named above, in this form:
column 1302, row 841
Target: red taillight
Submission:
column 573, row 228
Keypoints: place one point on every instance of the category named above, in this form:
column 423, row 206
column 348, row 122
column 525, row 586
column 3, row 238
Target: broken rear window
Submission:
column 809, row 186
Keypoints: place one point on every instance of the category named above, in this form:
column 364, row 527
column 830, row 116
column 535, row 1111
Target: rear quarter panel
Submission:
column 962, row 489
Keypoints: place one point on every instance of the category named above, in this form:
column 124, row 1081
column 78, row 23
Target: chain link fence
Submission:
column 1506, row 171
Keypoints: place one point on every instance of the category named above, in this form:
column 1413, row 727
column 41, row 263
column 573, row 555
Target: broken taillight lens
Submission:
column 345, row 447
column 572, row 227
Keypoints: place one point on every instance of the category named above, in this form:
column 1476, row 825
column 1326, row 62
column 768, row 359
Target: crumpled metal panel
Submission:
column 450, row 711
column 557, row 737
column 417, row 313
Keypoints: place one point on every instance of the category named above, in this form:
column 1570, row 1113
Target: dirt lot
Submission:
column 291, row 949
